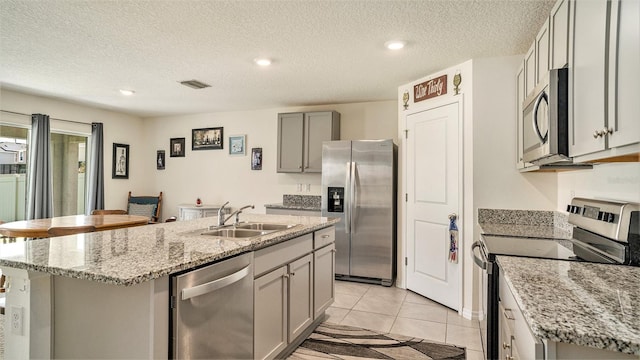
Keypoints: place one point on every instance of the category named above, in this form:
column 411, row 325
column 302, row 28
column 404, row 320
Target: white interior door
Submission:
column 433, row 192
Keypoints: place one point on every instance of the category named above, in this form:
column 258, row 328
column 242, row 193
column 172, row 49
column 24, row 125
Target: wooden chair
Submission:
column 108, row 212
column 146, row 206
column 70, row 230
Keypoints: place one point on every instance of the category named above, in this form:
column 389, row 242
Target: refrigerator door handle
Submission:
column 352, row 201
column 347, row 197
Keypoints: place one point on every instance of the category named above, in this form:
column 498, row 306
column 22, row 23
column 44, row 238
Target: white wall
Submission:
column 615, row 181
column 216, row 177
column 118, row 128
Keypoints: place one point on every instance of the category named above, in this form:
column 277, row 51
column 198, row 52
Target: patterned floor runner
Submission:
column 330, row 341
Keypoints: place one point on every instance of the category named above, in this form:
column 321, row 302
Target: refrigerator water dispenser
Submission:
column 335, row 199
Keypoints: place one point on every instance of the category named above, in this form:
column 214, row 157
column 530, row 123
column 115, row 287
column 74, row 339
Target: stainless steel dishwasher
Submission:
column 212, row 311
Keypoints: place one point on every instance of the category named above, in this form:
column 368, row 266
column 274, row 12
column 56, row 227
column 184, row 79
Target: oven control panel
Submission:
column 607, row 218
column 594, row 213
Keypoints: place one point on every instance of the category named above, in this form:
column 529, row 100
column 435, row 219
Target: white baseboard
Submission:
column 472, row 315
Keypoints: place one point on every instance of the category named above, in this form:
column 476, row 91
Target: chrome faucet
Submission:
column 221, row 219
column 237, row 214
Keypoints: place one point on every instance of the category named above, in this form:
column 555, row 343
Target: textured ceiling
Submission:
column 323, row 51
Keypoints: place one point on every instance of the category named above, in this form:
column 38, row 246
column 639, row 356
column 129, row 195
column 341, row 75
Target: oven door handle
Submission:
column 482, row 263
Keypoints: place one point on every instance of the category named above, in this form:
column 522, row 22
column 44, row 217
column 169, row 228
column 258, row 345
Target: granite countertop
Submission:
column 292, row 207
column 580, row 303
column 134, row 255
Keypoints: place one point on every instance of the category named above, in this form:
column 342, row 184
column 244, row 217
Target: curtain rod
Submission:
column 52, row 118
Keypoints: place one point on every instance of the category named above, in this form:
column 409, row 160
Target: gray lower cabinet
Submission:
column 270, row 314
column 300, row 295
column 324, row 264
column 293, row 286
column 283, row 306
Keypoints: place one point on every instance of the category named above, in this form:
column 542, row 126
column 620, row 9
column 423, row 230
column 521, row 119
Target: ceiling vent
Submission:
column 195, row 84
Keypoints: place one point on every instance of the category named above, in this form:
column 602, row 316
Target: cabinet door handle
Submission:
column 606, row 131
column 508, row 314
column 324, row 236
column 286, row 276
column 505, row 345
column 293, row 274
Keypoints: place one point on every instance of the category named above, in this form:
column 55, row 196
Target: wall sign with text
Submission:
column 430, row 89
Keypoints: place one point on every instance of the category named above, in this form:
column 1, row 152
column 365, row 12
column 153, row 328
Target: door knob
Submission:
column 453, row 216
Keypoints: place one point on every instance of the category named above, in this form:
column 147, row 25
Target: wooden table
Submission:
column 38, row 228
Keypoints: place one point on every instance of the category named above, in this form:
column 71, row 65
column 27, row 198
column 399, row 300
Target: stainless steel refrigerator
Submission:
column 359, row 187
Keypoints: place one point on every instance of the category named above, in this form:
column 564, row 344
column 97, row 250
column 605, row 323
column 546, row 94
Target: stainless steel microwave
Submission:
column 545, row 117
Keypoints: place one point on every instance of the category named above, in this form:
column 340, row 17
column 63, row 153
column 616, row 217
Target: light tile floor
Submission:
column 397, row 311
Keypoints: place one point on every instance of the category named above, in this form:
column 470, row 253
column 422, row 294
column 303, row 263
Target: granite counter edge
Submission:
column 256, row 244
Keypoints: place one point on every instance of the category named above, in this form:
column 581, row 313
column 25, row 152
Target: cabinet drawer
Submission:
column 282, row 253
column 324, row 237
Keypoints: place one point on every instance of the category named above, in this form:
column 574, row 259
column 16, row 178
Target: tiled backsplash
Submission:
column 302, row 200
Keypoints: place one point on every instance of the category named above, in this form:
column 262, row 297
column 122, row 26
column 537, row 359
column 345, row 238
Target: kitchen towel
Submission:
column 453, row 240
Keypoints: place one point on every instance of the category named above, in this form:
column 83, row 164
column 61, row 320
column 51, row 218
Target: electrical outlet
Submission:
column 16, row 320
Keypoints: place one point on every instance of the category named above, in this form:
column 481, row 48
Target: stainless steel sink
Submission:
column 265, row 226
column 235, row 233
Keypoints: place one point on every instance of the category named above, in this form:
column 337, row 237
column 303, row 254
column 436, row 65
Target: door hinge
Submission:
column 172, row 302
column 406, row 261
column 406, row 133
column 406, row 197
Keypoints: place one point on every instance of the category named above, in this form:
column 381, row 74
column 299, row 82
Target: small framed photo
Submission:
column 160, row 160
column 120, row 168
column 177, row 147
column 237, row 144
column 207, row 139
column 256, row 159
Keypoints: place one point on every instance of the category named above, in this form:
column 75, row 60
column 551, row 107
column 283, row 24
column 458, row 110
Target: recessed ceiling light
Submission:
column 262, row 61
column 395, row 44
column 127, row 92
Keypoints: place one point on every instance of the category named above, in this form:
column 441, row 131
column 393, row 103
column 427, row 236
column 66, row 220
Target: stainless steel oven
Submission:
column 604, row 232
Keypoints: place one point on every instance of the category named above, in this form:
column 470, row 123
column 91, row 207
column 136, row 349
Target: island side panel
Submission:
column 93, row 319
column 29, row 294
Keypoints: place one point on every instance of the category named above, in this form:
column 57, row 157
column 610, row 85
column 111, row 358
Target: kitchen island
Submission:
column 106, row 294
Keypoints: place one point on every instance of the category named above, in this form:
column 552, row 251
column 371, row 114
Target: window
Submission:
column 13, row 172
column 68, row 155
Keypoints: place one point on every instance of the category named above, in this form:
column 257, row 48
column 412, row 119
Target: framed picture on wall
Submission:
column 120, row 163
column 207, row 139
column 237, row 144
column 176, row 146
column 256, row 159
column 160, row 160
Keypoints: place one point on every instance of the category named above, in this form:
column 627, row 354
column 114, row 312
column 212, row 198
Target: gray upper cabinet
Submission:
column 587, row 78
column 542, row 53
column 624, row 74
column 300, row 137
column 559, row 31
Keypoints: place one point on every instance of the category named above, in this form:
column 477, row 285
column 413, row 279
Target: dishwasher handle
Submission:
column 214, row 285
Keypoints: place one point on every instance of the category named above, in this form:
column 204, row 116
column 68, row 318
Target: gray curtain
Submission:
column 39, row 175
column 95, row 177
